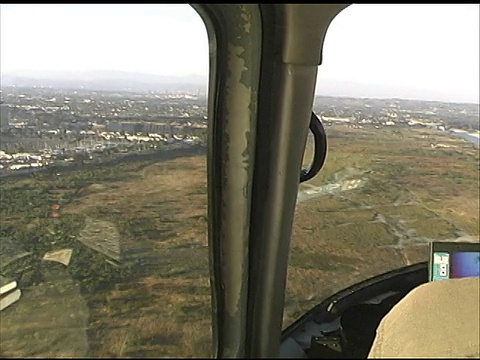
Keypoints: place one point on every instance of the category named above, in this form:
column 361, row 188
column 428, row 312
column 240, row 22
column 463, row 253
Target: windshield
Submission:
column 103, row 213
column 103, row 188
column 400, row 172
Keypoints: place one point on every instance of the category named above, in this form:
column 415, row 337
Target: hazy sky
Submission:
column 416, row 50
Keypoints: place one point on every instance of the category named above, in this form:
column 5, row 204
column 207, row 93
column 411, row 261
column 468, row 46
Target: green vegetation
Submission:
column 26, row 209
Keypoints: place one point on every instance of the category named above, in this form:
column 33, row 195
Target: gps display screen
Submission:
column 450, row 260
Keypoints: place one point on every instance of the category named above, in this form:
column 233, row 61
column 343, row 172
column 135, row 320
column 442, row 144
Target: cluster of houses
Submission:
column 21, row 160
column 104, row 143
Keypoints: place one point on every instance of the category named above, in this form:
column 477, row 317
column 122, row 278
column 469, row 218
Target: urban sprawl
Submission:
column 44, row 126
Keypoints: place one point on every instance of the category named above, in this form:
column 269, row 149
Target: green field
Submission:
column 139, row 237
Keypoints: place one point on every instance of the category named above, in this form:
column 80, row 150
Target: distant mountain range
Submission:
column 112, row 80
column 355, row 89
column 105, row 80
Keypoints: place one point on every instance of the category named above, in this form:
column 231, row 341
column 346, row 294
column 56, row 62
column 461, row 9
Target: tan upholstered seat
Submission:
column 435, row 320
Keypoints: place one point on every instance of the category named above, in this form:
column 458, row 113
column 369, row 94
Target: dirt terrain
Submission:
column 382, row 197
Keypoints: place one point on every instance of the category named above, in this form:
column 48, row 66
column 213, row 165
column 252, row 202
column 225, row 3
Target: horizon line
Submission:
column 51, row 73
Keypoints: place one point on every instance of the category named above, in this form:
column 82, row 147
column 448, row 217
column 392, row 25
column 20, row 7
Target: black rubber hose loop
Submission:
column 320, row 149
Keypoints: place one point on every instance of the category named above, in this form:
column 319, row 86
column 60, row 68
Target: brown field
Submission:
column 411, row 194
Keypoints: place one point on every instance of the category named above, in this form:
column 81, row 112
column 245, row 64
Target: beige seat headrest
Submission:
column 439, row 319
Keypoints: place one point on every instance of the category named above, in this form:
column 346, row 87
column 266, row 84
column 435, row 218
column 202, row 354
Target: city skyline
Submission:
column 430, row 52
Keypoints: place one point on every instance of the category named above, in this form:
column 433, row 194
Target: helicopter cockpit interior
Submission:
column 262, row 85
column 249, row 218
